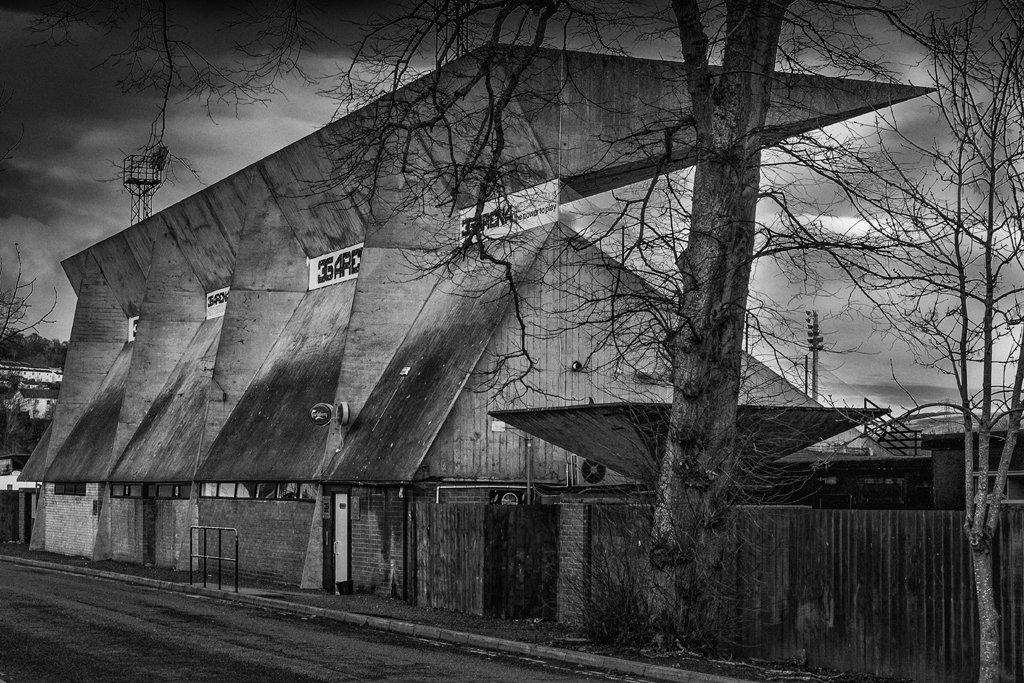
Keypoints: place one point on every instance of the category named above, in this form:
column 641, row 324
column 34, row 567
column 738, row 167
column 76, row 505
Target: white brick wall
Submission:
column 70, row 524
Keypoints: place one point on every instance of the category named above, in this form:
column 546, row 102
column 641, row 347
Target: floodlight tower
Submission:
column 815, row 344
column 142, row 175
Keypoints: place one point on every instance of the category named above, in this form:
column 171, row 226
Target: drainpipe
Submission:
column 529, row 470
column 405, row 543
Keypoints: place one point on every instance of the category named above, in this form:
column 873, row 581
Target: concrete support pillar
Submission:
column 313, row 566
column 172, row 310
column 269, row 280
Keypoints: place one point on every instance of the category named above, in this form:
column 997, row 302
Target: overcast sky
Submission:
column 60, row 192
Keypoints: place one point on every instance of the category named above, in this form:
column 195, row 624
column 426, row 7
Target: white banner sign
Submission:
column 335, row 267
column 133, row 327
column 517, row 212
column 216, row 303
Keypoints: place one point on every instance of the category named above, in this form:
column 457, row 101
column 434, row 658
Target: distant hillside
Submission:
column 32, row 349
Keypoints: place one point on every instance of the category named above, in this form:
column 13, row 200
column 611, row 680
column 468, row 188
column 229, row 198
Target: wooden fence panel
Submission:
column 449, row 557
column 487, row 559
column 10, row 518
column 883, row 591
column 521, row 564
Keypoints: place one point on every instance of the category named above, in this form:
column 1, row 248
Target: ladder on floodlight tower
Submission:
column 142, row 175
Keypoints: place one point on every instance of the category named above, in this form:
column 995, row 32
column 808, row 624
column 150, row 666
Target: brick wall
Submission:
column 377, row 540
column 273, row 534
column 70, row 522
column 147, row 530
column 573, row 560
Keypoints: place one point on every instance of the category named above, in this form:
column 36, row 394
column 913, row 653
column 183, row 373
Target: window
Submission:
column 246, row 490
column 1014, row 485
column 123, row 490
column 62, row 488
column 264, row 490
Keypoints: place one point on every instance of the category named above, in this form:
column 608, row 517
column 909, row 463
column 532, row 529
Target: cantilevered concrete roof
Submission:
column 627, row 437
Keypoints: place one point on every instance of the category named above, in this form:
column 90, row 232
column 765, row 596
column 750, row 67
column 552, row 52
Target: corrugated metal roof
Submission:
column 87, row 453
column 396, row 426
column 269, row 435
column 165, row 447
column 627, row 437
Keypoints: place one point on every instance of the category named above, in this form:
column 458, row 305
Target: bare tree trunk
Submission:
column 988, row 616
column 697, row 472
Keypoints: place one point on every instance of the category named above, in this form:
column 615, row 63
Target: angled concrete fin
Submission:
column 173, row 307
column 87, row 453
column 396, row 426
column 268, row 281
column 166, row 444
column 269, row 436
column 98, row 336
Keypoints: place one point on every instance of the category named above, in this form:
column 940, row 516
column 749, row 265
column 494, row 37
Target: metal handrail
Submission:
column 204, row 556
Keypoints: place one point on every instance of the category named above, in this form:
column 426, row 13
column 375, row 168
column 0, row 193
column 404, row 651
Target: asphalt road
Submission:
column 56, row 626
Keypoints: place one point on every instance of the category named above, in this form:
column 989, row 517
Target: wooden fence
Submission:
column 11, row 520
column 486, row 559
column 874, row 591
column 888, row 592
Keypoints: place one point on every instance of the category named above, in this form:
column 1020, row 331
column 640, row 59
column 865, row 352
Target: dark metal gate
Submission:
column 200, row 541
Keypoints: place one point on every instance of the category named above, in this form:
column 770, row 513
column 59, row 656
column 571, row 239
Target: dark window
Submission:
column 164, row 491
column 267, row 490
column 63, row 488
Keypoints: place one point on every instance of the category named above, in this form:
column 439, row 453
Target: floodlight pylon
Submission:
column 142, row 175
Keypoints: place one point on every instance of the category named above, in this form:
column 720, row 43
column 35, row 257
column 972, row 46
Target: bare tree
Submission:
column 454, row 141
column 946, row 209
column 16, row 293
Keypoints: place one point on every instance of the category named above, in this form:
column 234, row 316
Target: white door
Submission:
column 341, row 540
